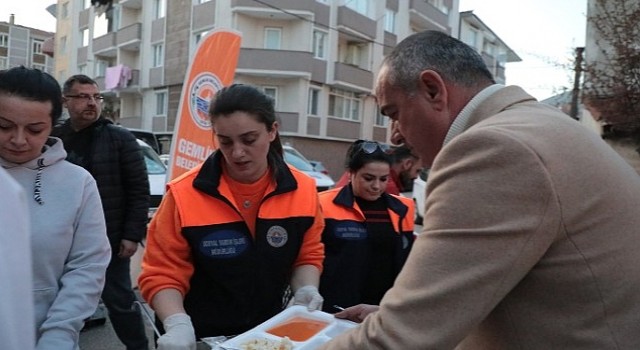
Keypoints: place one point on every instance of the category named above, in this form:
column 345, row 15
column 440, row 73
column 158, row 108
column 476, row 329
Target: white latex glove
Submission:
column 309, row 296
column 179, row 333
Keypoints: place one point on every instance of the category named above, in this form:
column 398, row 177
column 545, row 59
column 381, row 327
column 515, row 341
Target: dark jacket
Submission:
column 116, row 162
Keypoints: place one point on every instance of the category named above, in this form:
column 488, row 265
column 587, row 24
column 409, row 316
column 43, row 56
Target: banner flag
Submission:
column 212, row 67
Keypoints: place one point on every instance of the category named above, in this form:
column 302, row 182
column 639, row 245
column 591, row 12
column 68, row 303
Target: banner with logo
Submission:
column 212, row 67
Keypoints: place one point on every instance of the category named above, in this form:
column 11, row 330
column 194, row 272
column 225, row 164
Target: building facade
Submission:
column 316, row 58
column 496, row 54
column 25, row 46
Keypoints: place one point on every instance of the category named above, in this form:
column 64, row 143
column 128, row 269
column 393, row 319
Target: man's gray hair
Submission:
column 454, row 60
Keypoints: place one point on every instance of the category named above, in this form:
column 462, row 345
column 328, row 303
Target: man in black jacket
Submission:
column 112, row 155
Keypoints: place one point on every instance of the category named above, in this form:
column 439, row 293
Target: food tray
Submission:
column 334, row 327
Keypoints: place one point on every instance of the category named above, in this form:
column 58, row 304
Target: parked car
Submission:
column 296, row 159
column 318, row 166
column 418, row 193
column 157, row 172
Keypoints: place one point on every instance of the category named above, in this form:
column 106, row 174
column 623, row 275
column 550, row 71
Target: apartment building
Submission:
column 475, row 33
column 25, row 46
column 316, row 58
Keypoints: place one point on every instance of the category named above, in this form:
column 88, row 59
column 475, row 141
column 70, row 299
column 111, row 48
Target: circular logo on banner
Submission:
column 277, row 236
column 202, row 90
column 350, row 231
column 223, row 244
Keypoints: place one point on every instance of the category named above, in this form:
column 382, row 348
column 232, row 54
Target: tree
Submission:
column 611, row 89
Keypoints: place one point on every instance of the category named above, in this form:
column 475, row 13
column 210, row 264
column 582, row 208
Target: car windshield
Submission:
column 153, row 162
column 297, row 161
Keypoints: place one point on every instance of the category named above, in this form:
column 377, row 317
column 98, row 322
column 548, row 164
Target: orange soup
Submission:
column 298, row 328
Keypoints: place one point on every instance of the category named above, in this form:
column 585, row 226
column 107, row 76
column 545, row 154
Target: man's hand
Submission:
column 308, row 296
column 357, row 313
column 127, row 248
column 179, row 335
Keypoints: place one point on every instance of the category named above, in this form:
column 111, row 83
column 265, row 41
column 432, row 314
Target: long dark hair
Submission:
column 249, row 99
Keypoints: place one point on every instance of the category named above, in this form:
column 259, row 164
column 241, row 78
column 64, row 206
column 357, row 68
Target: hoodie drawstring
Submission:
column 38, row 184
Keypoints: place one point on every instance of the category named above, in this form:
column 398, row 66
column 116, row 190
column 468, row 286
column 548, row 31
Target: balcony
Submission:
column 132, row 4
column 351, row 20
column 254, row 9
column 129, row 37
column 275, row 63
column 105, row 45
column 427, row 16
column 350, row 76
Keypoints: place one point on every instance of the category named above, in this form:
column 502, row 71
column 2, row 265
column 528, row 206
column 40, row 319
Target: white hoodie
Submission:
column 70, row 249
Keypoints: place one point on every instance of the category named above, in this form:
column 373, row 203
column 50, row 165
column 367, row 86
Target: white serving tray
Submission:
column 335, row 326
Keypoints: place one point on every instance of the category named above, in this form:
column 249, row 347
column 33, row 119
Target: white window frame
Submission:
column 100, row 68
column 381, row 119
column 36, row 46
column 4, row 62
column 320, row 39
column 390, row 21
column 313, row 101
column 360, row 6
column 344, row 104
column 82, row 69
column 84, row 37
column 198, row 36
column 39, row 66
column 271, row 91
column 4, row 40
column 162, row 103
column 158, row 55
column 159, row 9
column 272, row 33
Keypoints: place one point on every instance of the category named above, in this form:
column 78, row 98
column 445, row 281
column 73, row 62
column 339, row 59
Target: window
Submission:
column 161, row 103
column 4, row 40
column 272, row 92
column 272, row 38
column 353, row 55
column 440, row 5
column 390, row 21
column 319, row 44
column 360, row 6
column 314, row 101
column 41, row 67
column 489, row 48
column 63, row 43
column 84, row 35
column 381, row 119
column 37, row 47
column 471, row 38
column 158, row 55
column 101, row 68
column 159, row 9
column 344, row 104
column 200, row 35
column 64, row 10
column 4, row 63
column 82, row 69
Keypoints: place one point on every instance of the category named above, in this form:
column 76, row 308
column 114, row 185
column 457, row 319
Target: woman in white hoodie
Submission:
column 70, row 250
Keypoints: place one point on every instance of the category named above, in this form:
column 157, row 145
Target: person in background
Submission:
column 112, row 155
column 405, row 166
column 233, row 234
column 368, row 233
column 16, row 295
column 531, row 233
column 69, row 246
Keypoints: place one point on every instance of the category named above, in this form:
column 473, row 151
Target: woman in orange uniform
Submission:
column 368, row 232
column 232, row 234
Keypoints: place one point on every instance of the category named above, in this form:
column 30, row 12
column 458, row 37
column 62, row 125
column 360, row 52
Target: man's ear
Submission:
column 407, row 163
column 433, row 86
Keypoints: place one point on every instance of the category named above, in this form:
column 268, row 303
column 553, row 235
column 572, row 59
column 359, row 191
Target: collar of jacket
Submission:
column 208, row 178
column 346, row 198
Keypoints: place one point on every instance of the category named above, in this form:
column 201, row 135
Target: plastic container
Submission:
column 307, row 330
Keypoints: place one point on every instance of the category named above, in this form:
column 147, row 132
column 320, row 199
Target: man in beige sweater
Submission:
column 532, row 232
